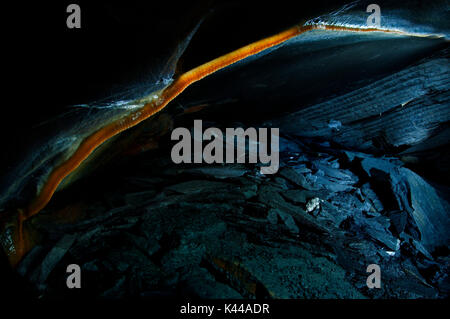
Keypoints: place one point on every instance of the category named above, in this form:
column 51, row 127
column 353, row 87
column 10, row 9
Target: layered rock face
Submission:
column 363, row 121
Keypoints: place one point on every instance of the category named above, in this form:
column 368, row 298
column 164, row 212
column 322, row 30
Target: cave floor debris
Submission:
column 309, row 231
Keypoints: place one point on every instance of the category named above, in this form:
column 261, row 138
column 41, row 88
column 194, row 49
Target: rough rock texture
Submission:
column 364, row 119
column 401, row 109
column 310, row 231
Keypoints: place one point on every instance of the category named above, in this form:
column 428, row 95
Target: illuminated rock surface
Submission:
column 363, row 118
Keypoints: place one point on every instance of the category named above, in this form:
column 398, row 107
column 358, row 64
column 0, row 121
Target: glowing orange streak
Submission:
column 179, row 85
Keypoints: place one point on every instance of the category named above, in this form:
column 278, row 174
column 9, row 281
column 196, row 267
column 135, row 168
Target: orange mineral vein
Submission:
column 157, row 101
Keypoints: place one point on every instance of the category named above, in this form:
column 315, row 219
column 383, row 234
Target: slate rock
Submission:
column 58, row 251
column 298, row 179
column 287, row 220
column 223, row 172
column 372, row 197
column 297, row 196
column 398, row 220
column 431, row 212
column 199, row 186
